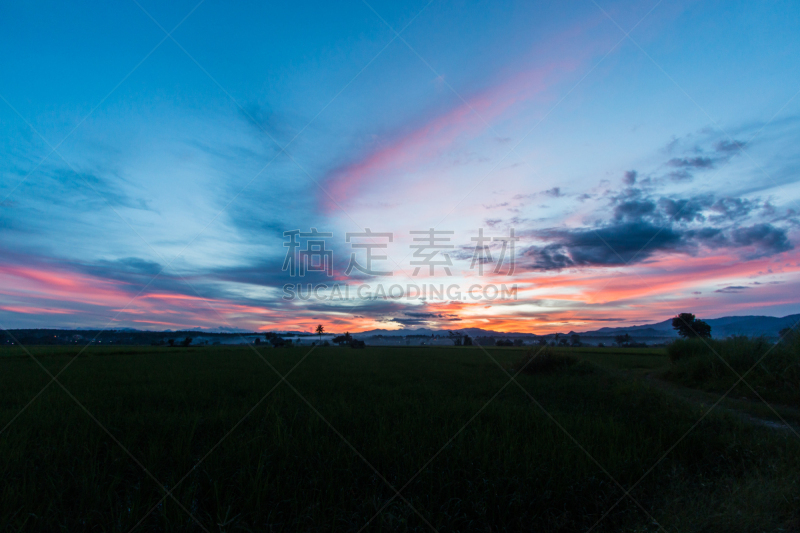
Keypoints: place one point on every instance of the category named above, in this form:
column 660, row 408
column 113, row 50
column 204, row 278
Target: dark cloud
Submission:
column 554, row 192
column 463, row 253
column 424, row 319
column 615, row 244
column 634, row 210
column 642, row 226
column 765, row 239
column 630, row 177
column 729, row 146
column 680, row 175
column 710, row 237
column 135, row 274
column 409, row 321
column 626, row 194
column 423, row 315
column 431, row 316
column 699, row 154
column 732, row 289
column 131, row 265
column 734, row 208
column 685, row 209
column 269, row 273
column 364, row 308
column 691, row 162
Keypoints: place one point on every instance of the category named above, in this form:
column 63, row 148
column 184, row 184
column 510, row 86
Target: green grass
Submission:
column 637, row 359
column 712, row 365
column 510, row 468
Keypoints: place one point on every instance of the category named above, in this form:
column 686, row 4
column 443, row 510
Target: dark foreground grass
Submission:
column 640, row 360
column 773, row 370
column 544, row 360
column 286, row 467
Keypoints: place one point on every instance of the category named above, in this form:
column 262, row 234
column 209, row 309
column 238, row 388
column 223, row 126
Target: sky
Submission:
column 155, row 160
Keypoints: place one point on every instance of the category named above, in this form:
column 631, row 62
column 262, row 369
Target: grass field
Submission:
column 772, row 370
column 326, row 449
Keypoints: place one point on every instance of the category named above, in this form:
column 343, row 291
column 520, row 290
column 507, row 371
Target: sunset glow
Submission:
column 154, row 193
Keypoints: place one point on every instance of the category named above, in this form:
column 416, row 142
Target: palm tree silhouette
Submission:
column 320, row 331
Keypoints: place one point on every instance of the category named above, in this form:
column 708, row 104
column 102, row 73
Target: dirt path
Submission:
column 757, row 412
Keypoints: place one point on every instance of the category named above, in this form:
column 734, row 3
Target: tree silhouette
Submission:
column 343, row 339
column 320, row 331
column 622, row 339
column 689, row 327
column 458, row 339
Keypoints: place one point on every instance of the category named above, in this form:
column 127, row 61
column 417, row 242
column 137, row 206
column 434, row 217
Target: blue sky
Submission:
column 645, row 152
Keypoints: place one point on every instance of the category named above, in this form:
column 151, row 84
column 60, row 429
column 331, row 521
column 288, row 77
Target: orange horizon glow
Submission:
column 547, row 302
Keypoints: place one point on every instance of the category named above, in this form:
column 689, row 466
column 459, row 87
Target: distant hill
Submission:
column 472, row 332
column 657, row 333
column 720, row 327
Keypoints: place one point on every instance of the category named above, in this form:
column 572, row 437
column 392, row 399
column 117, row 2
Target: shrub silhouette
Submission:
column 544, row 361
column 772, row 369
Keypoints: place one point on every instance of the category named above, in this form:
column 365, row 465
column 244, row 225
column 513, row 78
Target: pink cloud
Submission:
column 421, row 147
column 34, row 310
column 45, row 290
column 56, row 284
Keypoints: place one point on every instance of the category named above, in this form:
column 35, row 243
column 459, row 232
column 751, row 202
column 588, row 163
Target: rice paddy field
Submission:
column 379, row 439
